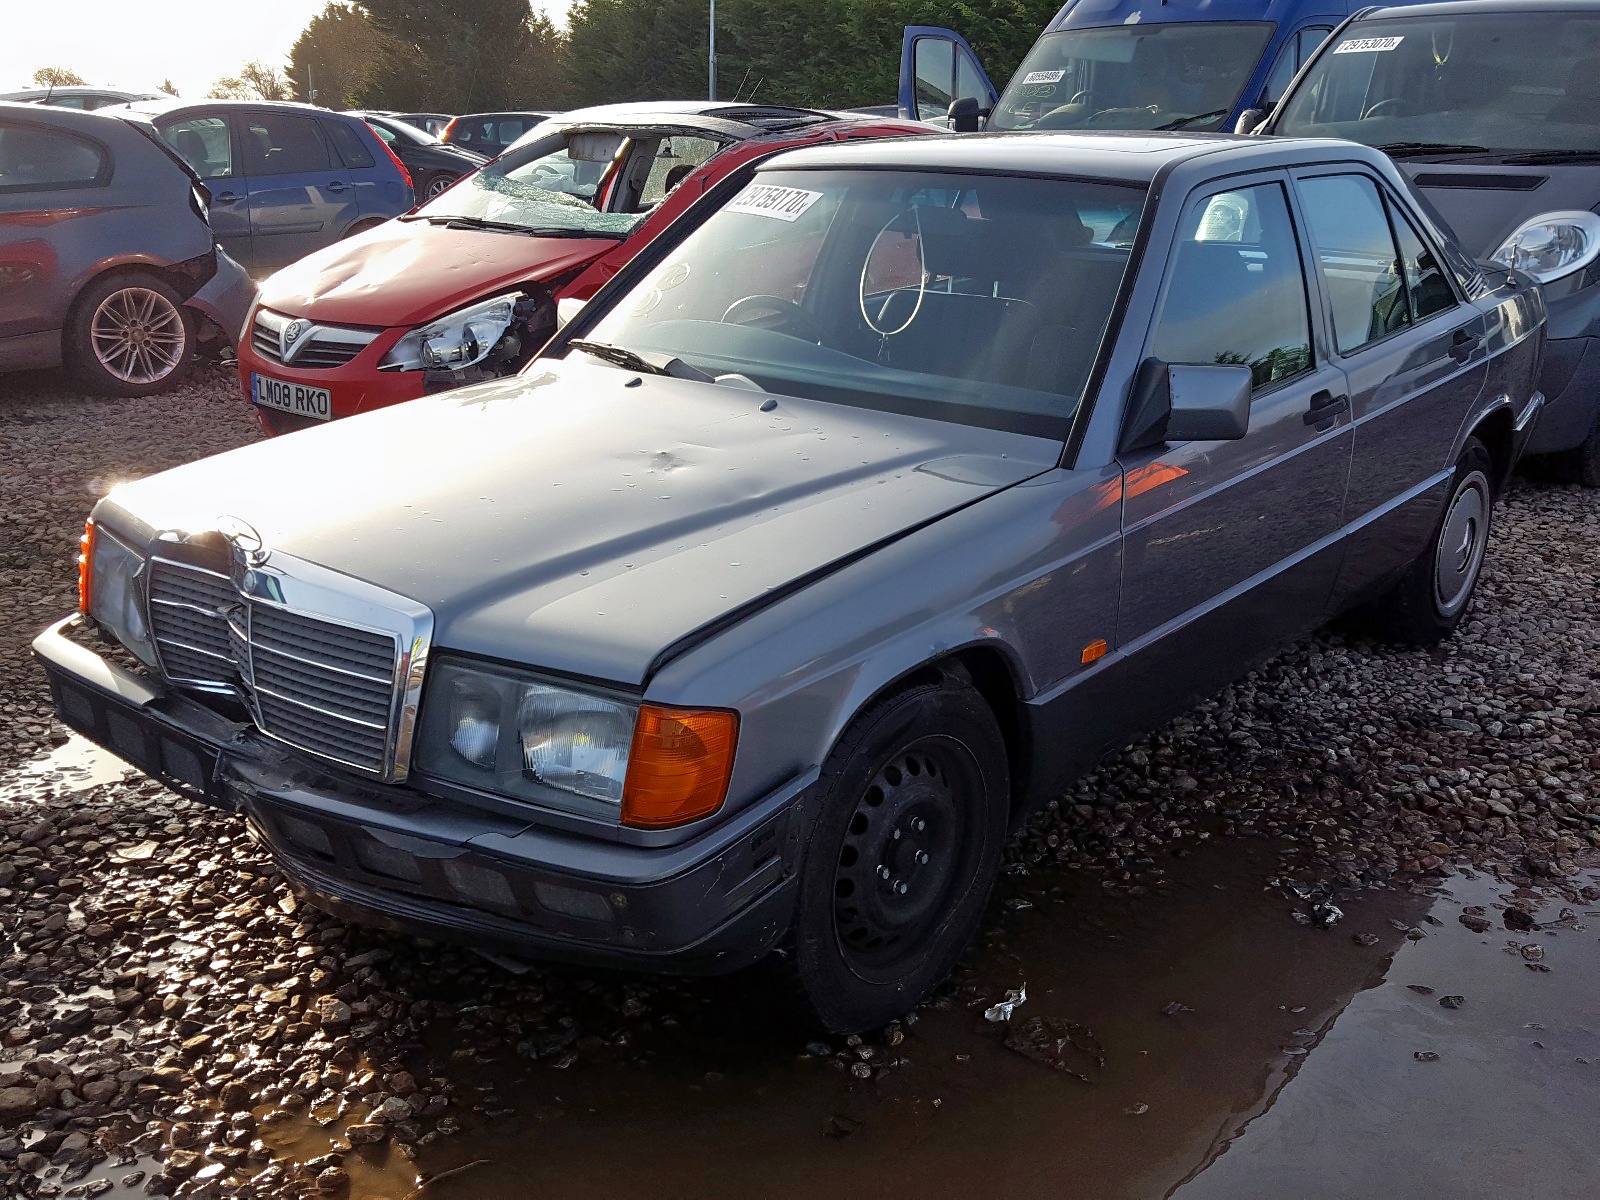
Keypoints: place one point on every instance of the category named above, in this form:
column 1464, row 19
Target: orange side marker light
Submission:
column 1094, row 651
column 85, row 565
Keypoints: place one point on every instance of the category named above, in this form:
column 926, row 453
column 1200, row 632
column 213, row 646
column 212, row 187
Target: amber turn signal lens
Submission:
column 679, row 765
column 1094, row 651
column 85, row 564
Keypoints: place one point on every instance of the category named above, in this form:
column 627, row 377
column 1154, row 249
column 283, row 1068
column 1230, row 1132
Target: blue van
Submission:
column 1125, row 64
column 284, row 179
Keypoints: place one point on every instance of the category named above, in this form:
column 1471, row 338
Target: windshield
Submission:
column 402, row 131
column 981, row 299
column 1482, row 86
column 573, row 183
column 1172, row 75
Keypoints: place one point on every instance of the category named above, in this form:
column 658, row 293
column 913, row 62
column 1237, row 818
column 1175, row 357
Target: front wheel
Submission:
column 129, row 335
column 1585, row 459
column 910, row 821
column 434, row 186
column 1433, row 597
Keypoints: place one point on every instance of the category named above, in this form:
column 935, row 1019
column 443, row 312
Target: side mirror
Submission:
column 1182, row 402
column 963, row 114
column 566, row 308
column 1249, row 119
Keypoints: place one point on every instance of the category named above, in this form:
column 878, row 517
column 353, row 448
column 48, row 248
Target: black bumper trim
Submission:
column 395, row 858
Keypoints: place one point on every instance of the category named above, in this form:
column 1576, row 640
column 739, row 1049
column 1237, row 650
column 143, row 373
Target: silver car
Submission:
column 889, row 490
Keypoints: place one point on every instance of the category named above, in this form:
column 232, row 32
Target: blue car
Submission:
column 1194, row 65
column 284, row 179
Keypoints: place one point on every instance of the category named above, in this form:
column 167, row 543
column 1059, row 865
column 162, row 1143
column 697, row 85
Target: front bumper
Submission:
column 400, row 859
column 226, row 298
column 356, row 387
column 1570, row 381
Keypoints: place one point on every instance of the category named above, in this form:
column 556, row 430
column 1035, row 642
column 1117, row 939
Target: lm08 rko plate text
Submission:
column 296, row 398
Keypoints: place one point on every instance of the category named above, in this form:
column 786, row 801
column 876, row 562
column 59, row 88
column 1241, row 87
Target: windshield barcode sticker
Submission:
column 1043, row 76
column 1367, row 45
column 770, row 200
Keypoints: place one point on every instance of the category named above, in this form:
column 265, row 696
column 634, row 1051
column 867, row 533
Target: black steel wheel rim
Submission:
column 909, row 849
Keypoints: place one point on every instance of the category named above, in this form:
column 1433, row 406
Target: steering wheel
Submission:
column 1391, row 106
column 776, row 314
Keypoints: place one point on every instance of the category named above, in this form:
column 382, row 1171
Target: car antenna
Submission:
column 751, row 98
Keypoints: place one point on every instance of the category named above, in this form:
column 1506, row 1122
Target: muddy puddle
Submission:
column 1208, row 1045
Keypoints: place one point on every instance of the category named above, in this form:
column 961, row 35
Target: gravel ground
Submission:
column 164, row 1000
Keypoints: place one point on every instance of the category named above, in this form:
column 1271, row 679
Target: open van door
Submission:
column 937, row 70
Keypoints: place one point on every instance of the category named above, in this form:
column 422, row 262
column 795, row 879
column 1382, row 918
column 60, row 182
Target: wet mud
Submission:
column 1218, row 1048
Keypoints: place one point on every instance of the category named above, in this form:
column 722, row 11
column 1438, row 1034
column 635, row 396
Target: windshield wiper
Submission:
column 462, row 222
column 1399, row 149
column 1185, row 122
column 645, row 364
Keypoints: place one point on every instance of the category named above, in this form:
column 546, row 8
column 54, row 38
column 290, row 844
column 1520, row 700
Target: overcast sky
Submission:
column 135, row 44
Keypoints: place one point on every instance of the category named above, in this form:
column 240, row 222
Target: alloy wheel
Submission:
column 137, row 335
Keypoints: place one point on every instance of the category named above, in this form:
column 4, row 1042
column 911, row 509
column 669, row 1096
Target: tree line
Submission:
column 483, row 55
column 458, row 56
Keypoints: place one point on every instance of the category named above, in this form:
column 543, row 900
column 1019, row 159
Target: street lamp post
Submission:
column 711, row 62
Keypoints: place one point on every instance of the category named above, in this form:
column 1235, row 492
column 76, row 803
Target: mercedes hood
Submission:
column 584, row 519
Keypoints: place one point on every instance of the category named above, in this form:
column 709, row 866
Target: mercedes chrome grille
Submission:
column 324, row 663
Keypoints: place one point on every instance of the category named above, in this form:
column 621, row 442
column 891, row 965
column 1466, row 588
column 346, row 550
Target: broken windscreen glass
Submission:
column 549, row 186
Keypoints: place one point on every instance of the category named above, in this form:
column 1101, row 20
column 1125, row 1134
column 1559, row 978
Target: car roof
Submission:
column 1456, row 8
column 92, row 121
column 711, row 115
column 76, row 89
column 162, row 108
column 1128, row 157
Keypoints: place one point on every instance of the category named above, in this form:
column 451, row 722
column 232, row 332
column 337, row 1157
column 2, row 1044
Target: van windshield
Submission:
column 1481, row 87
column 1171, row 75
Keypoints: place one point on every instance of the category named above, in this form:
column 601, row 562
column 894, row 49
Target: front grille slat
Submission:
column 313, row 682
column 321, row 346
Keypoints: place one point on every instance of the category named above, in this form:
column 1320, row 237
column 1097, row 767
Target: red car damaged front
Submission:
column 464, row 288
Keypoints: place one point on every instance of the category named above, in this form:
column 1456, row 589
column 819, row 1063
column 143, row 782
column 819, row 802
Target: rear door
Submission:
column 207, row 144
column 1232, row 547
column 1413, row 351
column 938, row 67
column 299, row 199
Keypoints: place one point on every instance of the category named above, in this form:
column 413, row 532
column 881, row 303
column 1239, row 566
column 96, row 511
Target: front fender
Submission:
column 1030, row 574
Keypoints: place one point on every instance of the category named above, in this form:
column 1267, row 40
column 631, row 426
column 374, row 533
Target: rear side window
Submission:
column 1425, row 277
column 1350, row 230
column 204, row 143
column 349, row 144
column 282, row 144
column 1236, row 290
column 35, row 160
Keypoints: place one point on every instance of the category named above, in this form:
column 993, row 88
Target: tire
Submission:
column 129, row 335
column 1434, row 596
column 1584, row 463
column 362, row 226
column 909, row 823
column 433, row 185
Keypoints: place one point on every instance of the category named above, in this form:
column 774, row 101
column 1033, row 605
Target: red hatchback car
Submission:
column 464, row 288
